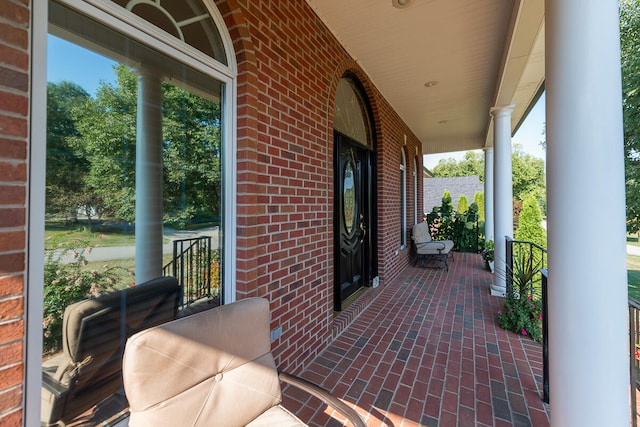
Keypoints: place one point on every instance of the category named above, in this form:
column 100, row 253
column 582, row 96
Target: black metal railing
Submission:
column 191, row 265
column 529, row 261
column 545, row 337
column 634, row 364
column 530, row 255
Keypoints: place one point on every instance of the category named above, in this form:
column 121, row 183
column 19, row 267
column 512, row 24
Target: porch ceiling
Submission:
column 481, row 54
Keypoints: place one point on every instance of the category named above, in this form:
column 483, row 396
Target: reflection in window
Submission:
column 350, row 115
column 349, row 198
column 94, row 171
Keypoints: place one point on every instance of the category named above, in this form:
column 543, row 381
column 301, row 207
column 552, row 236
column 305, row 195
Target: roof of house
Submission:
column 435, row 187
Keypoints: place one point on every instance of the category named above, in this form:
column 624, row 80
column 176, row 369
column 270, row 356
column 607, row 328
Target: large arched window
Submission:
column 140, row 155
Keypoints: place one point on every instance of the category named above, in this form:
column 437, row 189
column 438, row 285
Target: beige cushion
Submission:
column 421, row 233
column 276, row 416
column 425, row 245
column 211, row 368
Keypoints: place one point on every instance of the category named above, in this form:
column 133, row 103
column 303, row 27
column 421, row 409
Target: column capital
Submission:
column 487, row 149
column 502, row 109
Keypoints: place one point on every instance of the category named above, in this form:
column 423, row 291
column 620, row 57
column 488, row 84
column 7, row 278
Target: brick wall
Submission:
column 289, row 66
column 14, row 124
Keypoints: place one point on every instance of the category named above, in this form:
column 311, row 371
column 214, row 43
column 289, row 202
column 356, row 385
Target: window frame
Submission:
column 134, row 27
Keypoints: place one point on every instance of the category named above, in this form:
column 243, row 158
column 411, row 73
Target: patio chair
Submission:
column 89, row 369
column 212, row 368
column 426, row 247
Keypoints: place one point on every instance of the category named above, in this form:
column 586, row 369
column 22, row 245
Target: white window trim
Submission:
column 108, row 13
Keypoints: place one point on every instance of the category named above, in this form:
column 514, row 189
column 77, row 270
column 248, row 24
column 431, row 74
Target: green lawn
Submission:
column 633, row 267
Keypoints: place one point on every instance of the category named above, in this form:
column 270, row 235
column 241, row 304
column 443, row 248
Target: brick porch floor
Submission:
column 427, row 351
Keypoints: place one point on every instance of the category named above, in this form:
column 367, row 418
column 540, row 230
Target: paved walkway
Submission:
column 428, row 352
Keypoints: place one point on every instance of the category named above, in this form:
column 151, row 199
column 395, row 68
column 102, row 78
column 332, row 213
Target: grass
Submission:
column 101, row 235
column 633, row 269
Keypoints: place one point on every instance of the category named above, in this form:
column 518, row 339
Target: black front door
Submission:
column 352, row 218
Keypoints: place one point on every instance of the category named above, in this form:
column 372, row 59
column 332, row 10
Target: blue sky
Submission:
column 73, row 63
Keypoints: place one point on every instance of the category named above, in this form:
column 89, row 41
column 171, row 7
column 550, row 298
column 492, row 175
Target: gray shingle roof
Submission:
column 434, row 187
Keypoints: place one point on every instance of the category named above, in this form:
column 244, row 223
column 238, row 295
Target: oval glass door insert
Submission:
column 349, row 198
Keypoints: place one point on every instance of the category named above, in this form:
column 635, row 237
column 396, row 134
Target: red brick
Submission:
column 13, row 79
column 13, row 172
column 12, row 217
column 12, row 195
column 11, row 331
column 11, row 285
column 13, row 36
column 10, row 399
column 14, row 12
column 11, row 354
column 11, row 419
column 11, row 375
column 11, row 308
column 11, row 263
column 17, row 104
column 14, row 57
column 13, row 149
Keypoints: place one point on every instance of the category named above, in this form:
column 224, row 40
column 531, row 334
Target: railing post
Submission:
column 545, row 338
column 509, row 264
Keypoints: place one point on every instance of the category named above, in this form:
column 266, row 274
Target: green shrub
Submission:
column 463, row 204
column 522, row 312
column 529, row 225
column 67, row 280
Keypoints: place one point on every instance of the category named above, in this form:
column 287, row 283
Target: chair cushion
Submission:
column 435, row 247
column 211, row 368
column 421, row 233
column 276, row 416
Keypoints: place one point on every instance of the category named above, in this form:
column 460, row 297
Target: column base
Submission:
column 498, row 291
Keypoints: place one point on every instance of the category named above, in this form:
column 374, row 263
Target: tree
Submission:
column 105, row 137
column 463, row 204
column 630, row 61
column 65, row 188
column 528, row 175
column 529, row 225
column 528, row 171
column 472, row 164
column 478, row 199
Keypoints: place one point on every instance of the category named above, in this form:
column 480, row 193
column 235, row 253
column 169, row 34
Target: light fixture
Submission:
column 401, row 4
column 432, row 83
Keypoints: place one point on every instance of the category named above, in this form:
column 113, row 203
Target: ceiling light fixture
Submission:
column 401, row 4
column 432, row 83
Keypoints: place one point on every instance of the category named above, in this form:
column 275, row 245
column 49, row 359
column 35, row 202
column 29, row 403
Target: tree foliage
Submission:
column 630, row 61
column 529, row 225
column 528, row 171
column 463, row 204
column 92, row 151
column 471, row 165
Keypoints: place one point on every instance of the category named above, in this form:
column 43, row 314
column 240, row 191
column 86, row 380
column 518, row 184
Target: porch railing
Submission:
column 191, row 265
column 532, row 257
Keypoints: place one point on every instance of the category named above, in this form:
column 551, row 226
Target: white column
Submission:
column 588, row 341
column 488, row 194
column 149, row 178
column 503, row 193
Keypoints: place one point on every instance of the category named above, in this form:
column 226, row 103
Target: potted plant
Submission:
column 522, row 312
column 488, row 255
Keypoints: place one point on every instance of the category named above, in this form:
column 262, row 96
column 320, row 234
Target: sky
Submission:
column 528, row 136
column 70, row 62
